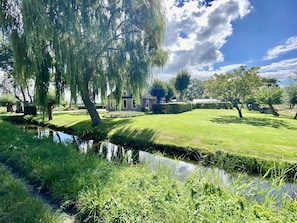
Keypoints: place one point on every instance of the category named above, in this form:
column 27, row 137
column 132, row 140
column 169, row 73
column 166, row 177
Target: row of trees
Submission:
column 243, row 86
column 182, row 86
column 91, row 47
column 86, row 46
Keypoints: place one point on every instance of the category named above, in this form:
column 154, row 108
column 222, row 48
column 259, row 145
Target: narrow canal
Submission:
column 179, row 168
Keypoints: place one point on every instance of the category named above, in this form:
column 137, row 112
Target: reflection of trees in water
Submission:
column 178, row 168
column 59, row 138
column 113, row 152
column 84, row 146
column 43, row 133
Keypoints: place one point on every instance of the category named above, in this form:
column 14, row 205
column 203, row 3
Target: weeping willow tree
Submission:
column 96, row 45
column 11, row 25
column 32, row 58
column 91, row 45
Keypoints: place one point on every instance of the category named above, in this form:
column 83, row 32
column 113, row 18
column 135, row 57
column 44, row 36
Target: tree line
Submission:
column 96, row 47
column 241, row 87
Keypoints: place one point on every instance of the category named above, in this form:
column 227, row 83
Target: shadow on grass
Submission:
column 122, row 131
column 139, row 139
column 142, row 134
column 254, row 121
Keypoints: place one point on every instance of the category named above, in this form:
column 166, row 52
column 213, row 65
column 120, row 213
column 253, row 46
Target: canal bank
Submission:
column 181, row 169
column 144, row 140
column 105, row 191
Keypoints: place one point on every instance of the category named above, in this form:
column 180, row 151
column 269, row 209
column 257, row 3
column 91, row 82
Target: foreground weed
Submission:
column 18, row 206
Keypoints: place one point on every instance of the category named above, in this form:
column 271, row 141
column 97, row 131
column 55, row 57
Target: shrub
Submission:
column 7, row 100
column 172, row 108
column 213, row 105
column 96, row 106
column 30, row 110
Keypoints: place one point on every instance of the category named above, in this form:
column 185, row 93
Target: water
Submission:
column 179, row 168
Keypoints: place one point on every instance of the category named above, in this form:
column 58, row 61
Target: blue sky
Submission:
column 230, row 33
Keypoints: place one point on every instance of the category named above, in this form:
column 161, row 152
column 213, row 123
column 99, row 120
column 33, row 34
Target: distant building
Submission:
column 130, row 104
column 205, row 100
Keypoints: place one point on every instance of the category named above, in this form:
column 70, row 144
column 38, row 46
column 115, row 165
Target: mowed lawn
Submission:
column 260, row 135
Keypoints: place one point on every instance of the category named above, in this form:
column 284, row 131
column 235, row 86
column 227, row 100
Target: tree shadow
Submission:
column 122, row 132
column 254, row 121
column 140, row 134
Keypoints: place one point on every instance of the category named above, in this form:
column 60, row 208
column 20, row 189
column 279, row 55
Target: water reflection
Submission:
column 179, row 168
column 60, row 137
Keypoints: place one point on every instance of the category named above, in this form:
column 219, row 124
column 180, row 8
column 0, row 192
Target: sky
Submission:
column 226, row 34
column 222, row 35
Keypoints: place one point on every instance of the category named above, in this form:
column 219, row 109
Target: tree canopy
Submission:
column 236, row 86
column 290, row 92
column 181, row 83
column 91, row 46
column 270, row 95
column 170, row 92
column 158, row 89
column 195, row 89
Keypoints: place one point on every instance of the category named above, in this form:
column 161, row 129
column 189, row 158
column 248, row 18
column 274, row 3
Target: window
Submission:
column 134, row 106
column 147, row 104
column 125, row 104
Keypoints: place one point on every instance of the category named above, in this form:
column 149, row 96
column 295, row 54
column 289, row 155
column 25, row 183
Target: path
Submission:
column 44, row 199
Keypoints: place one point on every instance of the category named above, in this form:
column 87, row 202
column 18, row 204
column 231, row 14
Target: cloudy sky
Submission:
column 228, row 33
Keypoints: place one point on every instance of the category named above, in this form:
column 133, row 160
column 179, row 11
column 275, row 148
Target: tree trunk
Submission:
column 275, row 113
column 50, row 111
column 30, row 96
column 23, row 93
column 9, row 108
column 96, row 120
column 181, row 96
column 90, row 106
column 295, row 116
column 238, row 109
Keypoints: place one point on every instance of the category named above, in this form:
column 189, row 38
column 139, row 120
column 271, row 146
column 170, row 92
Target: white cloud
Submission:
column 289, row 45
column 206, row 28
column 206, row 73
column 280, row 70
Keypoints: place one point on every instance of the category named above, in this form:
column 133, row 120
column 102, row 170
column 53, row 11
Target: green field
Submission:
column 256, row 135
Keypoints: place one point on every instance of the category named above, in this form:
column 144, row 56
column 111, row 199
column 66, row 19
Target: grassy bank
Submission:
column 101, row 191
column 211, row 130
column 254, row 143
column 16, row 205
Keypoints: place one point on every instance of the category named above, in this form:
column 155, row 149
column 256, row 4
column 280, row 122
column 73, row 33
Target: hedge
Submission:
column 213, row 105
column 171, row 108
column 30, row 110
column 96, row 106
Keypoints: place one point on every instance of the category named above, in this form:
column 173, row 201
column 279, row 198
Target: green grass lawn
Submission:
column 259, row 135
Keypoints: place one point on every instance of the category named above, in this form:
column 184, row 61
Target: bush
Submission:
column 7, row 99
column 213, row 105
column 96, row 106
column 171, row 108
column 30, row 110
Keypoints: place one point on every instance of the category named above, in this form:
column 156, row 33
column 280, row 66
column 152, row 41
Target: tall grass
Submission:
column 16, row 205
column 101, row 191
